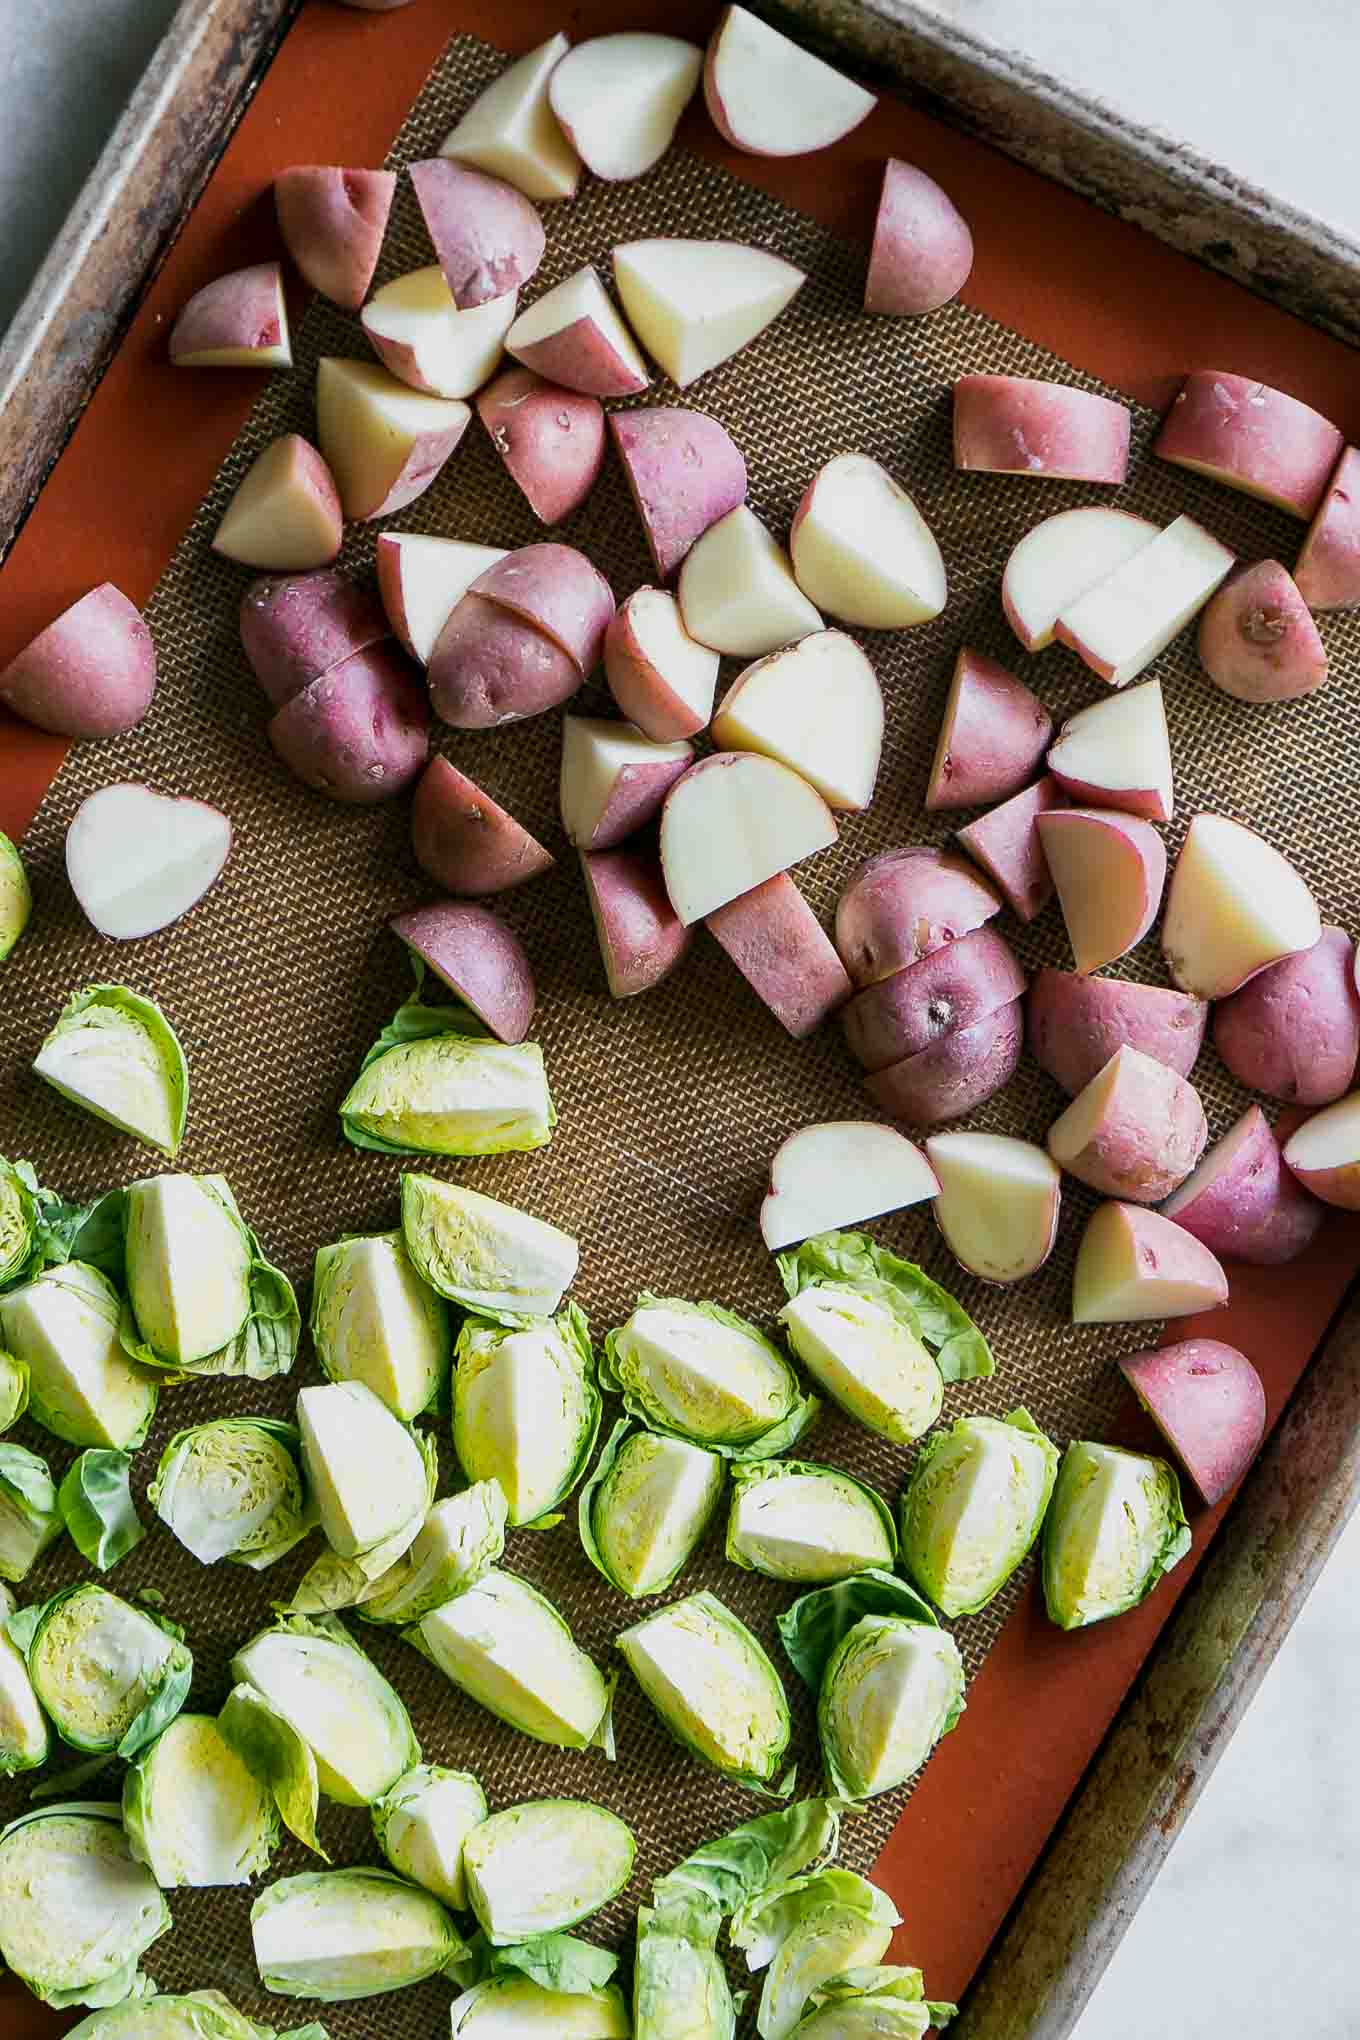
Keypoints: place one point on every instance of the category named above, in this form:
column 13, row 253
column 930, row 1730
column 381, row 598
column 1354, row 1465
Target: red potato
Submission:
column 296, row 627
column 922, row 251
column 1324, row 1154
column 487, row 236
column 551, row 440
column 1120, row 625
column 482, row 962
column 419, row 334
column 1117, row 754
column 1016, row 425
column 1327, row 572
column 861, row 549
column 1234, row 906
column 951, row 988
column 332, row 222
column 1251, row 437
column 1109, row 870
column 641, row 937
column 1207, row 1401
column 1242, row 1201
column 784, row 953
column 620, row 97
column 383, row 442
column 840, row 1173
column 236, row 321
column 769, row 97
column 1059, row 560
column 694, row 304
column 993, row 735
column 1257, row 640
column 957, row 1073
column 1134, row 1265
column 683, row 472
column 737, row 591
column 902, row 904
column 557, row 590
column 1007, row 844
column 138, row 860
column 999, row 1203
column 1293, row 1031
column 572, row 335
column 613, row 779
column 1077, row 1023
column 815, row 706
column 1135, row 1131
column 663, row 679
column 465, row 841
column 285, row 513
column 732, row 821
column 511, row 130
column 490, row 667
column 359, row 733
column 421, row 580
column 90, row 673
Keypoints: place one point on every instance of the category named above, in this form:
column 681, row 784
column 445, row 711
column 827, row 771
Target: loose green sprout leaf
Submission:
column 1114, row 1527
column 874, row 2003
column 496, row 1261
column 334, row 1696
column 114, row 1053
column 72, row 1778
column 341, row 1934
column 855, row 1261
column 436, row 1082
column 375, row 1321
column 273, row 1751
column 94, row 1233
column 23, row 1730
column 506, row 1646
column 30, row 1515
column 194, row 1811
column 202, row 1297
column 63, row 1326
column 526, row 1410
column 699, row 1372
column 680, row 1989
column 16, row 897
column 234, row 1489
column 557, row 1962
column 815, row 1625
column 96, row 1505
column 510, row 2007
column 77, row 1913
column 196, row 2015
column 793, row 1520
column 802, row 1932
column 462, row 1537
column 713, row 1687
column 543, row 1866
column 973, row 1507
column 728, row 1872
column 13, row 1390
column 422, row 1824
column 372, row 1479
column 646, row 1506
column 110, row 1677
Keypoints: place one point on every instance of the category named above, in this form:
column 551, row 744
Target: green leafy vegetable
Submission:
column 961, row 1352
column 699, row 1372
column 96, row 1505
column 114, row 1053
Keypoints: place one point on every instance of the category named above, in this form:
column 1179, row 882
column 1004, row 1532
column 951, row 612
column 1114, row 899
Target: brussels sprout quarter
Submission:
column 30, row 1518
column 422, row 1824
column 507, row 2005
column 526, row 1411
column 366, row 1470
column 194, row 1813
column 483, row 1254
column 505, row 1646
column 13, row 1390
column 703, row 1373
column 76, row 1912
column 64, row 1329
column 1114, row 1526
column 194, row 2015
column 866, row 1359
column 712, row 1685
column 116, row 1055
column 460, row 1539
column 341, row 1934
column 973, row 1508
column 792, row 1520
column 109, row 1677
column 646, row 1506
column 23, row 1729
column 337, row 1701
column 374, row 1321
column 451, row 1094
column 188, row 1266
column 539, row 1868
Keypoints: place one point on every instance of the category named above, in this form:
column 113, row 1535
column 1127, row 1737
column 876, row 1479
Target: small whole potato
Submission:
column 295, row 627
column 490, row 667
column 1257, row 639
column 91, row 673
column 902, row 904
column 951, row 988
column 359, row 733
column 1293, row 1031
column 465, row 841
column 923, row 250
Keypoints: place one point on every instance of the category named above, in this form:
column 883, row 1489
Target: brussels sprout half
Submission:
column 196, row 2015
column 335, row 1698
column 505, row 1645
column 13, row 1390
column 500, row 1263
column 370, row 1476
column 114, row 1053
column 462, row 1537
column 699, row 1372
column 541, row 1867
column 194, row 1812
column 375, row 1321
column 422, row 1824
column 64, row 1327
column 342, row 1934
column 18, row 1217
column 793, row 1520
column 713, row 1687
column 77, row 1912
column 646, row 1506
column 30, row 1518
column 973, row 1507
column 1114, row 1527
column 234, row 1489
column 451, row 1094
column 110, row 1676
column 526, row 1410
column 24, row 1742
column 805, row 1931
column 16, row 897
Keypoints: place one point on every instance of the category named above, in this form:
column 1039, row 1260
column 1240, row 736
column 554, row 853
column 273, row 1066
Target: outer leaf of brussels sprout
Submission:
column 462, row 1537
column 95, row 1233
column 270, row 1747
column 796, row 1932
column 97, row 1508
column 731, row 1870
column 796, row 1417
column 19, row 1220
column 194, row 2015
column 680, row 1989
column 811, row 1629
column 13, row 1390
column 16, row 897
column 558, row 1962
column 24, row 1741
column 115, row 1055
column 961, row 1352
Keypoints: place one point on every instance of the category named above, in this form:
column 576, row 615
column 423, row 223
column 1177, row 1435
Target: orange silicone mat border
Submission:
column 1095, row 290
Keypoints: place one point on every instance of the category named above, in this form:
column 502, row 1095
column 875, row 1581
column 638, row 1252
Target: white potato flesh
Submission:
column 1057, row 562
column 1235, row 904
column 619, row 97
column 365, row 1468
column 693, row 304
column 863, row 552
column 597, row 756
column 1329, row 1140
column 817, row 708
column 1121, row 624
column 836, row 1174
column 998, row 1203
column 737, row 591
column 1119, row 746
column 688, row 669
column 282, row 517
column 511, row 131
column 1133, row 1265
column 427, row 342
column 424, row 579
column 138, row 860
column 775, row 98
column 370, row 426
column 732, row 822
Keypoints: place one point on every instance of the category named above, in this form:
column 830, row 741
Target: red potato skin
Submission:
column 1293, row 1030
column 1011, row 424
column 784, row 953
column 489, row 667
column 995, row 734
column 957, row 1073
column 1327, row 573
column 638, row 793
column 902, row 904
column 1207, row 1401
column 952, row 988
column 922, row 250
column 482, row 962
column 1253, row 1209
column 557, row 590
column 295, row 627
column 578, row 357
column 465, row 841
column 1077, row 1023
column 1149, row 1137
column 551, row 440
column 638, row 687
column 641, row 938
column 91, row 673
column 359, row 733
column 332, row 221
column 1257, row 640
column 1007, row 844
column 237, row 310
column 487, row 236
column 684, row 473
column 1261, row 439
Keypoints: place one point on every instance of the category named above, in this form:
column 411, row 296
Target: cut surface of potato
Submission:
column 383, row 442
column 1133, row 1265
column 862, row 551
column 771, row 98
column 1119, row 626
column 138, row 860
column 1109, row 870
column 285, row 514
column 837, row 1174
column 998, row 1204
column 619, row 97
column 1061, row 559
column 1235, row 904
column 696, row 303
column 733, row 821
column 421, row 336
column 573, row 336
column 662, row 678
column 511, row 130
column 613, row 779
column 1325, row 1153
column 1117, row 754
column 737, row 592
column 815, row 706
column 422, row 580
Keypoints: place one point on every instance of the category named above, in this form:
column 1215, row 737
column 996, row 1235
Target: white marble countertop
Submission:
column 1248, row 1931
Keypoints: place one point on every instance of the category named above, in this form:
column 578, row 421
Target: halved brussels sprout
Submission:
column 188, row 1266
column 516, row 2008
column 680, row 1989
column 18, row 1217
column 234, row 1489
column 96, row 1505
column 526, row 1411
column 272, row 1750
column 13, row 1390
column 30, row 1516
column 340, row 1934
column 877, row 2002
column 331, row 1692
column 115, row 1054
column 505, row 1645
column 194, row 1813
column 109, row 1675
column 646, row 1506
column 460, row 1539
column 422, row 1824
column 973, row 1507
column 77, row 1912
column 23, row 1729
column 16, row 897
column 713, row 1687
column 196, row 2015
column 805, row 1931
column 375, row 1321
column 451, row 1093
column 367, row 1472
column 697, row 1371
column 1114, row 1526
column 541, row 1867
column 499, row 1262
column 793, row 1520
column 83, row 1387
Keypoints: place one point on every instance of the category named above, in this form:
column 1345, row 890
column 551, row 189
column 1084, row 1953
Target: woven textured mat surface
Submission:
column 670, row 1104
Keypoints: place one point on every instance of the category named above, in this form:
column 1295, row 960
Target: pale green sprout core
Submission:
column 713, row 1687
column 23, row 1729
column 699, row 1372
column 30, row 1518
column 805, row 1931
column 337, row 1701
column 63, row 1327
column 422, row 1824
column 116, row 1055
column 646, row 1506
column 506, row 1646
column 1114, row 1527
column 340, row 1934
column 16, row 897
column 526, row 1411
column 77, row 1912
column 499, row 1262
column 540, row 1867
column 376, row 1322
column 233, row 1489
column 451, row 1094
column 973, row 1507
column 197, row 2015
column 188, row 1266
column 194, row 1813
column 796, row 1521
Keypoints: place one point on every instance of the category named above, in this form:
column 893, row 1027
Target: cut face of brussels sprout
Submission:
column 646, row 1506
column 116, row 1055
column 188, row 1266
column 973, row 1507
column 375, row 1321
column 110, row 1676
column 526, row 1411
column 197, row 2015
column 422, row 1823
column 540, row 1867
column 703, row 1373
column 193, row 1812
column 491, row 1258
column 16, row 898
column 366, row 1470
column 1114, row 1526
column 23, row 1731
column 505, row 1646
column 18, row 1216
column 802, row 1932
column 272, row 1751
column 679, row 1985
column 233, row 1489
column 13, row 1390
column 30, row 1518
column 96, row 1505
column 77, row 1913
column 82, row 1386
column 339, row 1703
column 795, row 1521
column 712, row 1685
column 515, row 2008
column 866, row 1359
column 460, row 1539
column 452, row 1094
column 338, row 1934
